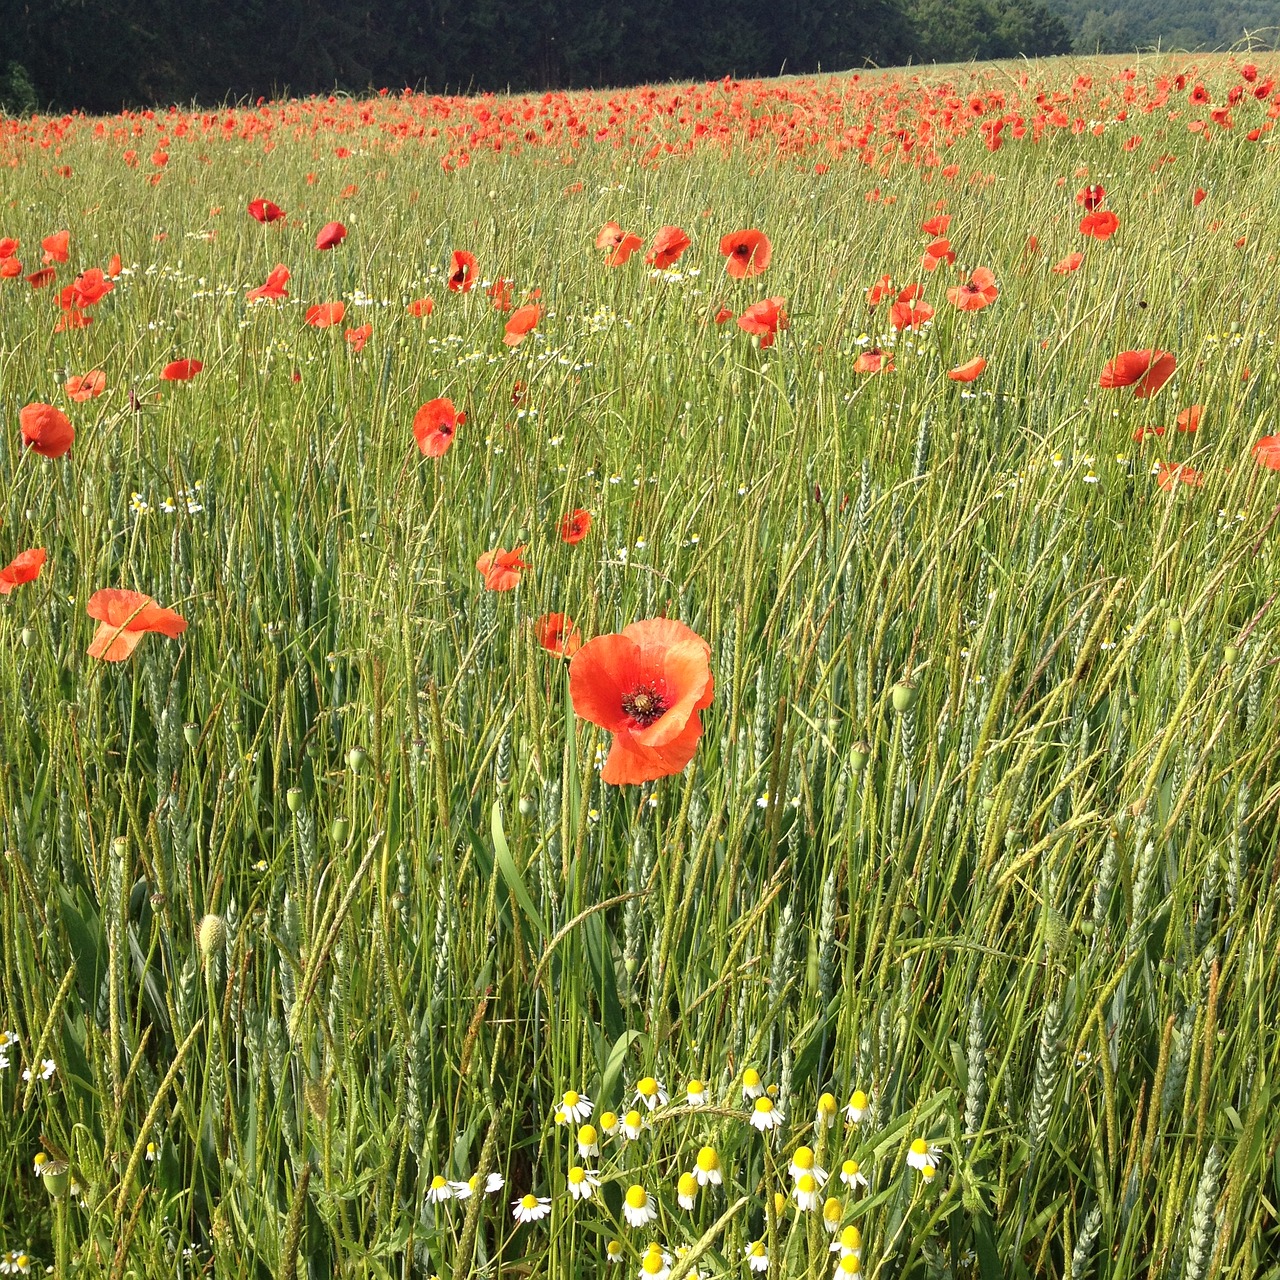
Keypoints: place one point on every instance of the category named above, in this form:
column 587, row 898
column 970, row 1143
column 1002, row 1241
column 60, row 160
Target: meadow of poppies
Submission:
column 673, row 682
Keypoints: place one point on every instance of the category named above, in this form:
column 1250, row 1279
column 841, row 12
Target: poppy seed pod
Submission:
column 1174, row 628
column 904, row 695
column 293, row 798
column 528, row 807
column 339, row 830
column 356, row 759
column 28, row 637
column 859, row 756
column 1230, row 654
column 55, row 1177
column 212, row 937
column 191, row 733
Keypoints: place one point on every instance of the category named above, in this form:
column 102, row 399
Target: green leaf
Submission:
column 511, row 873
column 613, row 1068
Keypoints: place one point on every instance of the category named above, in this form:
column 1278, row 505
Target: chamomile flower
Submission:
column 632, row 1123
column 687, row 1190
column 15, row 1264
column 613, row 1251
column 650, row 1091
column 757, row 1256
column 696, row 1093
column 575, row 1106
column 493, row 1183
column 849, row 1242
column 47, row 1068
column 765, row 1116
column 849, row 1265
column 582, row 1183
column 608, row 1123
column 707, row 1167
column 803, row 1162
column 530, row 1208
column 152, row 1153
column 589, row 1140
column 832, row 1212
column 655, row 1265
column 857, row 1107
column 440, row 1190
column 923, row 1157
column 637, row 1208
column 851, row 1174
column 751, row 1086
column 806, row 1192
column 40, row 1162
column 827, row 1108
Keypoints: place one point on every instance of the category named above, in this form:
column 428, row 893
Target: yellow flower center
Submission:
column 764, row 1105
column 652, row 1263
column 529, row 1202
column 851, row 1238
column 607, row 1121
column 695, row 1086
column 803, row 1158
column 832, row 1210
column 859, row 1100
column 751, row 1078
column 807, row 1183
column 614, row 1248
column 571, row 1099
column 587, row 1135
column 850, row 1265
column 850, row 1168
column 577, row 1176
column 688, row 1184
column 647, row 1087
column 637, row 1196
column 757, row 1249
column 826, row 1105
column 437, row 1182
column 708, row 1159
column 919, row 1147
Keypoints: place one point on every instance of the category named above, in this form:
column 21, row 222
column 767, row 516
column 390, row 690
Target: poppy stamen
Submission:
column 644, row 705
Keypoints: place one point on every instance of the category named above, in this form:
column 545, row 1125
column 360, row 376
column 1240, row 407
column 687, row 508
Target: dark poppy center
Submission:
column 644, row 705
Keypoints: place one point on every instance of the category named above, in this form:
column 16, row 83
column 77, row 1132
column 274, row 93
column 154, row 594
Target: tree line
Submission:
column 65, row 54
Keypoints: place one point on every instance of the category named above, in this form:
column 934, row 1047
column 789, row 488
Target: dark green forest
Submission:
column 64, row 54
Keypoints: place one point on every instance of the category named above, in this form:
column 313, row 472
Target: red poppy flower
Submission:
column 1091, row 197
column 1189, row 419
column 938, row 225
column 873, row 360
column 968, row 371
column 435, row 425
column 10, row 268
column 609, row 236
column 1267, row 452
column 114, row 266
column 500, row 294
column 723, row 314
column 45, row 276
column 1198, row 197
column 332, row 233
column 86, row 386
column 936, row 254
column 123, row 618
column 765, row 318
column 557, row 634
column 910, row 314
column 1145, row 371
column 356, row 338
column 627, row 244
column 46, row 430
column 8, row 246
column 880, row 290
column 462, row 279
column 274, row 288
column 977, row 292
column 748, row 253
column 1101, row 224
column 265, row 210
column 90, row 287
column 55, row 246
column 1199, row 96
column 1145, row 433
column 523, row 321
column 24, row 567
column 501, row 569
column 668, row 245
column 421, row 307
column 575, row 526
column 325, row 314
column 73, row 319
column 1168, row 477
column 181, row 370
column 646, row 686
column 1068, row 264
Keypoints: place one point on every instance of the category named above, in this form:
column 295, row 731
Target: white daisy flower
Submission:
column 632, row 1123
column 575, row 1106
column 613, row 1251
column 637, row 1208
column 803, row 1162
column 651, row 1092
column 707, row 1167
column 589, row 1140
column 832, row 1213
column 857, row 1107
column 849, row 1265
column 751, row 1086
column 806, row 1192
column 440, row 1190
column 827, row 1109
column 851, row 1174
column 687, row 1190
column 849, row 1241
column 530, row 1208
column 608, row 1123
column 582, row 1182
column 757, row 1256
column 765, row 1115
column 923, row 1157
column 655, row 1265
column 696, row 1093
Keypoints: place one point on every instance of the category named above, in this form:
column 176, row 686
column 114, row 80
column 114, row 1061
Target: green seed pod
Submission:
column 28, row 637
column 191, row 732
column 528, row 806
column 293, row 798
column 904, row 695
column 859, row 756
column 340, row 830
column 56, row 1178
column 1173, row 628
column 1230, row 655
column 212, row 937
column 357, row 757
column 909, row 916
column 1088, row 928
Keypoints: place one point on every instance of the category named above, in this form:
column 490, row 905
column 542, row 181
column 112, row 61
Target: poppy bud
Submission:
column 1174, row 628
column 212, row 937
column 909, row 916
column 293, row 797
column 1229, row 654
column 904, row 695
column 191, row 732
column 340, row 830
column 859, row 756
column 28, row 637
column 1088, row 928
column 528, row 807
column 357, row 757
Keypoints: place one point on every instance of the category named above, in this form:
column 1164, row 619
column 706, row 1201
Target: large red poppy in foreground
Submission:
column 1145, row 371
column 123, row 618
column 646, row 685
